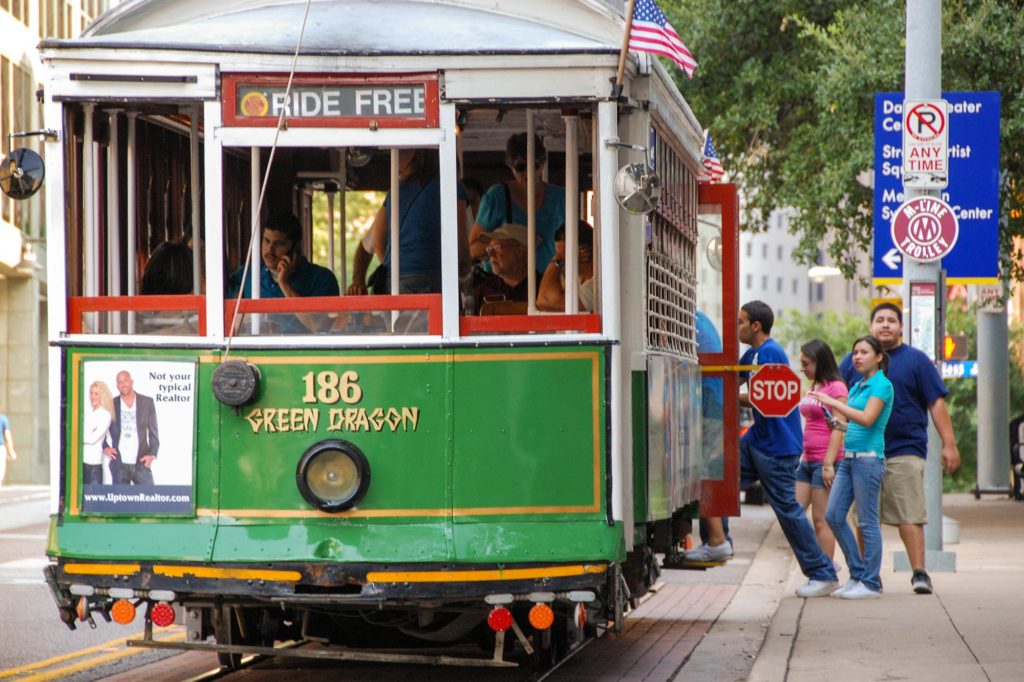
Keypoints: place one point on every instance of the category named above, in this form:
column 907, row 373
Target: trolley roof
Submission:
column 358, row 27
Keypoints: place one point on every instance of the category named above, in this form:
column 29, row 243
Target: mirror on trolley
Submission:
column 637, row 188
column 22, row 173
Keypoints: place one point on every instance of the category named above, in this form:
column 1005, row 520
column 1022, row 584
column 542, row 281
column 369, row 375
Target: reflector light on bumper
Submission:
column 499, row 619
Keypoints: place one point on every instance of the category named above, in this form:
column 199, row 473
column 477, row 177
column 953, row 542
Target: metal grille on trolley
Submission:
column 672, row 256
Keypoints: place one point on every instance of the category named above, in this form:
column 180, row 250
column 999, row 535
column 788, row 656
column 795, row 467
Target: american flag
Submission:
column 651, row 32
column 713, row 170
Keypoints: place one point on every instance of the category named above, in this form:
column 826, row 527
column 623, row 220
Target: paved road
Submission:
column 30, row 630
column 699, row 622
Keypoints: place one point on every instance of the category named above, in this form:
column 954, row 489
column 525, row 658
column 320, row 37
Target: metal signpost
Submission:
column 923, row 271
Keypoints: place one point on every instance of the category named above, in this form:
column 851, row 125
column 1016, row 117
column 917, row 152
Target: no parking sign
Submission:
column 925, row 144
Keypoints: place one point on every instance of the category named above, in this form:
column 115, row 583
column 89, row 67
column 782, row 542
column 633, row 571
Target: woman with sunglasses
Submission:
column 859, row 475
column 506, row 202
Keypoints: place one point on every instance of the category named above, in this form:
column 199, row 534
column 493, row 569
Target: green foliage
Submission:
column 788, row 86
column 360, row 208
column 839, row 330
column 962, row 400
column 963, row 393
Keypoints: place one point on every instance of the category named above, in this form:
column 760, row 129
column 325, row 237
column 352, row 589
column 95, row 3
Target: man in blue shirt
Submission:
column 918, row 391
column 769, row 453
column 284, row 271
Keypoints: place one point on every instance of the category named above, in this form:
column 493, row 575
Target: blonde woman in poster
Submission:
column 97, row 429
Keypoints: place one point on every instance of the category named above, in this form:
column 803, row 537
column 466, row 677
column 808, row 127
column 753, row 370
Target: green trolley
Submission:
column 383, row 474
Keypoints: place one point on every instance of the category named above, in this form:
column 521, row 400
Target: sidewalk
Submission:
column 971, row 629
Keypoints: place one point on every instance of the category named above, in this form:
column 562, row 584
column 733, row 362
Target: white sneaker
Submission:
column 706, row 553
column 846, row 588
column 817, row 588
column 860, row 591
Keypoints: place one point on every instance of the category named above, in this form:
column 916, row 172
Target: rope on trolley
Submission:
column 731, row 368
column 263, row 187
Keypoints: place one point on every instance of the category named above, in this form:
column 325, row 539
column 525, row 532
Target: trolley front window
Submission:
column 409, row 236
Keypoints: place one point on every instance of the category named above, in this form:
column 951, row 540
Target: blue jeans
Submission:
column 858, row 479
column 777, row 474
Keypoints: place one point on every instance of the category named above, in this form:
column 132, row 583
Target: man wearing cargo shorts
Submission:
column 918, row 392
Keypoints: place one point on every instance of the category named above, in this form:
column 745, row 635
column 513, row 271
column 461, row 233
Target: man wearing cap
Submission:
column 507, row 281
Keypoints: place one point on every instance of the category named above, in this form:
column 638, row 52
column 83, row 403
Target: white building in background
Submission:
column 23, row 371
column 769, row 272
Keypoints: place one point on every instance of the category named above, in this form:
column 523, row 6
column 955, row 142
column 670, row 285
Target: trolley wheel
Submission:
column 551, row 645
column 226, row 630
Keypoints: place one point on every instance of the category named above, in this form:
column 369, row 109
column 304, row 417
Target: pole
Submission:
column 617, row 88
column 924, row 82
column 993, row 398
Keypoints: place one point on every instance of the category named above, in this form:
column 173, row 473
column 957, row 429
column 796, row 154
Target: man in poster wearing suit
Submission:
column 134, row 439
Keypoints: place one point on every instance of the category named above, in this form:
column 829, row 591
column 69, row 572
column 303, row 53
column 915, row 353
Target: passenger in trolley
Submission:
column 419, row 226
column 509, row 202
column 284, row 271
column 169, row 273
column 507, row 282
column 551, row 292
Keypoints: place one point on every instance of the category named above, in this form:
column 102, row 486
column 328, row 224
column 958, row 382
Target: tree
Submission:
column 839, row 330
column 788, row 88
column 360, row 208
column 962, row 400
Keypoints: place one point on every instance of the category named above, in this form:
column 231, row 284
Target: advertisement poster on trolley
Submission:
column 137, row 437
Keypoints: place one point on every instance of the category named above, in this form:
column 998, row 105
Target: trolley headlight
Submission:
column 333, row 475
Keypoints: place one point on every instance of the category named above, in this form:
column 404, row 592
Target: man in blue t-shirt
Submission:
column 769, row 453
column 918, row 391
column 285, row 272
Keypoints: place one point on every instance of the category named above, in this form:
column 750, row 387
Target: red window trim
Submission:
column 77, row 305
column 497, row 324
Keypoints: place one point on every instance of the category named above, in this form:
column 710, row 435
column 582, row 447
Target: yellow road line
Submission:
column 49, row 662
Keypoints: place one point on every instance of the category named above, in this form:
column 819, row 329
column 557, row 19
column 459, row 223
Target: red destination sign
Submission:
column 774, row 390
column 925, row 228
column 330, row 100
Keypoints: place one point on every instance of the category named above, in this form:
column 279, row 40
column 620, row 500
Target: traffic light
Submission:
column 955, row 347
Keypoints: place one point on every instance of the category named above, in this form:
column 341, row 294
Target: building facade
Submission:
column 23, row 372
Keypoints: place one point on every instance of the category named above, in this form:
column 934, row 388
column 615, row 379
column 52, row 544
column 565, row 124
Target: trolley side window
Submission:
column 671, row 255
column 133, row 196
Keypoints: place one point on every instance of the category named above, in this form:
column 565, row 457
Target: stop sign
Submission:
column 774, row 390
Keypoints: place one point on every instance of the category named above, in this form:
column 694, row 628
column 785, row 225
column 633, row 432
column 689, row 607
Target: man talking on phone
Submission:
column 285, row 272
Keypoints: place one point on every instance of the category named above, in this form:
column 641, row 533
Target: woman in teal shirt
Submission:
column 860, row 473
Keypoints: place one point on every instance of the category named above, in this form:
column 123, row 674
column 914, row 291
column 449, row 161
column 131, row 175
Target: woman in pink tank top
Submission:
column 819, row 366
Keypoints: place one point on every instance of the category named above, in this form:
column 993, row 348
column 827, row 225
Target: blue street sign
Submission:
column 960, row 369
column 973, row 185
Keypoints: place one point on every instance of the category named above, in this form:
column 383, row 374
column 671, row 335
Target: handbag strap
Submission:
column 508, row 203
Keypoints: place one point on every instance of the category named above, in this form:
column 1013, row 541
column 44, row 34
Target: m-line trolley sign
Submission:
column 925, row 144
column 925, row 229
